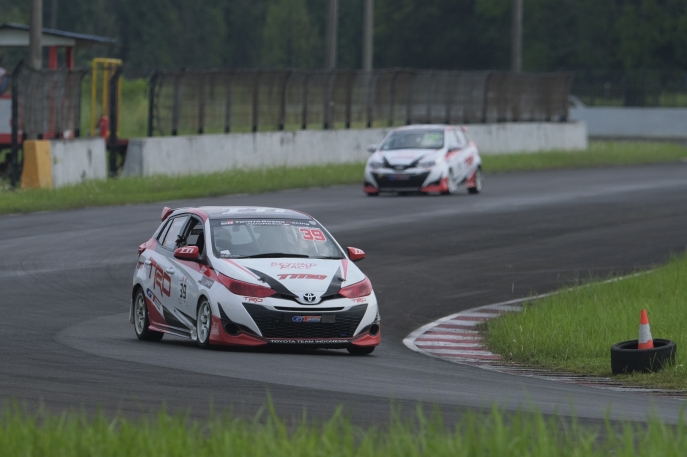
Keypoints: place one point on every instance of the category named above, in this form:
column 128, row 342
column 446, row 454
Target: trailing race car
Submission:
column 424, row 158
column 252, row 277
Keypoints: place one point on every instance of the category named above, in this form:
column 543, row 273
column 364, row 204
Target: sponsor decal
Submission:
column 196, row 231
column 162, row 280
column 293, row 265
column 154, row 299
column 306, row 318
column 469, row 159
column 306, row 341
column 206, row 282
column 253, row 210
column 215, row 329
column 312, row 222
column 357, row 251
column 312, row 235
column 228, row 222
column 225, row 252
column 253, row 299
column 301, row 276
column 186, row 250
column 358, row 300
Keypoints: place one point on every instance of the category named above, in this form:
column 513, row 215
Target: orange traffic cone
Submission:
column 645, row 341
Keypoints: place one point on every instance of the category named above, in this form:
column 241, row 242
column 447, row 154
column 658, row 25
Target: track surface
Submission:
column 65, row 280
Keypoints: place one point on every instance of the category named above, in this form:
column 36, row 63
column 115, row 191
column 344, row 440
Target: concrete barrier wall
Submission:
column 77, row 160
column 210, row 153
column 629, row 122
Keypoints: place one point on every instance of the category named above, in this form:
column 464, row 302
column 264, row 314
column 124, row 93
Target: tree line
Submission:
column 595, row 35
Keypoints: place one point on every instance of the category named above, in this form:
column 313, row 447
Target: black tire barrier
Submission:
column 626, row 358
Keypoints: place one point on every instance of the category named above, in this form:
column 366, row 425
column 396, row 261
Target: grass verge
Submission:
column 143, row 190
column 575, row 329
column 160, row 188
column 476, row 435
column 599, row 153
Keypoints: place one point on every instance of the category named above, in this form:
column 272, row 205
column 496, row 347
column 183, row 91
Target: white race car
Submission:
column 252, row 277
column 424, row 158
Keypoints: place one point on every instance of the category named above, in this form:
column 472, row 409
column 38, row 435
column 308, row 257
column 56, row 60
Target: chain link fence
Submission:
column 216, row 101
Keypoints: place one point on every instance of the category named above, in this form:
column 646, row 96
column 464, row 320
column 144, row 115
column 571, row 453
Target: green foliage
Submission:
column 288, row 39
column 494, row 433
column 575, row 329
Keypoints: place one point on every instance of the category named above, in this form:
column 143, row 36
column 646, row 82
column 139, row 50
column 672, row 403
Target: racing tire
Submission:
column 360, row 350
column 479, row 182
column 373, row 194
column 204, row 323
column 141, row 321
column 626, row 358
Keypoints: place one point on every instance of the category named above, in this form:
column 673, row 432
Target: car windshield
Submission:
column 243, row 238
column 414, row 139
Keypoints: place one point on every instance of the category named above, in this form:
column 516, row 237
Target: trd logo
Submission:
column 253, row 299
column 301, row 276
column 162, row 281
column 186, row 250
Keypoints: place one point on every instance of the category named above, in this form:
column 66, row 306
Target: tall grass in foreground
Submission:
column 476, row 435
column 599, row 153
column 575, row 329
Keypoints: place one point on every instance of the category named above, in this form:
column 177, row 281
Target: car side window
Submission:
column 460, row 138
column 172, row 235
column 451, row 140
column 195, row 235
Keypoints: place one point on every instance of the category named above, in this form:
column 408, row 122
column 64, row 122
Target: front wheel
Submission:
column 360, row 350
column 141, row 321
column 452, row 185
column 204, row 323
column 479, row 182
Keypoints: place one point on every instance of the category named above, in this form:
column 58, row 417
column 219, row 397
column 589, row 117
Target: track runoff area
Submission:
column 67, row 341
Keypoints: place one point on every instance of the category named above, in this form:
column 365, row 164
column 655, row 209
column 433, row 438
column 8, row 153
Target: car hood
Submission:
column 294, row 276
column 403, row 156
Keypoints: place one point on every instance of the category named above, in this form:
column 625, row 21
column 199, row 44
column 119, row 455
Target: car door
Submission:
column 163, row 279
column 185, row 290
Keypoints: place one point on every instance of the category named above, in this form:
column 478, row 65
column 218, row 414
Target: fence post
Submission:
column 329, row 101
column 304, row 115
column 114, row 119
column 15, row 172
column 227, row 103
column 392, row 97
column 349, row 97
column 256, row 90
column 151, row 101
column 201, row 101
column 409, row 98
column 176, row 103
column 485, row 98
column 371, row 81
column 282, row 106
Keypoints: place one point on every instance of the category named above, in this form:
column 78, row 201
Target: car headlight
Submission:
column 375, row 165
column 429, row 164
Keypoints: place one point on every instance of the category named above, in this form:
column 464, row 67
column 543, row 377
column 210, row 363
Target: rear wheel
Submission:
column 204, row 323
column 479, row 181
column 141, row 321
column 360, row 350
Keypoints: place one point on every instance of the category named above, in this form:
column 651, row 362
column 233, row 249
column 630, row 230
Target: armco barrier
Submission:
column 630, row 122
column 197, row 154
column 57, row 163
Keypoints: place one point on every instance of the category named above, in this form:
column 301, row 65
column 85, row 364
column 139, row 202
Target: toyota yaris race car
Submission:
column 252, row 277
column 424, row 158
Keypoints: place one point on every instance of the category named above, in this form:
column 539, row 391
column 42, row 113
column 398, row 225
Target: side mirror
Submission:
column 356, row 254
column 371, row 148
column 187, row 253
column 166, row 211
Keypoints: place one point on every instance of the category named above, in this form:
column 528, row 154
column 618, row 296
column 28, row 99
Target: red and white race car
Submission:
column 251, row 276
column 424, row 158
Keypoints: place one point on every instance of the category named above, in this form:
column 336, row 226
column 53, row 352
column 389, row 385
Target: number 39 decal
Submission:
column 310, row 235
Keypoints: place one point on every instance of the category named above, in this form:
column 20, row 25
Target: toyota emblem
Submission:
column 309, row 297
column 399, row 167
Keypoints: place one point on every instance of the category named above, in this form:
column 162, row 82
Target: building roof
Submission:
column 12, row 34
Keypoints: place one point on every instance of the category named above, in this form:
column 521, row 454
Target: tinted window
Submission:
column 170, row 238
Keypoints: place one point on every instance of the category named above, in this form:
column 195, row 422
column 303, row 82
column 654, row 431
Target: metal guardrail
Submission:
column 216, row 101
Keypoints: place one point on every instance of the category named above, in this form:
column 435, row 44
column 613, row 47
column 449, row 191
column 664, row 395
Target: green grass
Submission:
column 159, row 188
column 575, row 329
column 492, row 434
column 143, row 190
column 599, row 153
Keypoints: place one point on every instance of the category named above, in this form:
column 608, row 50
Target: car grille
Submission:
column 274, row 324
column 413, row 181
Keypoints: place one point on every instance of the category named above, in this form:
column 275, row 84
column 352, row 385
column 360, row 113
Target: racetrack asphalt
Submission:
column 66, row 277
